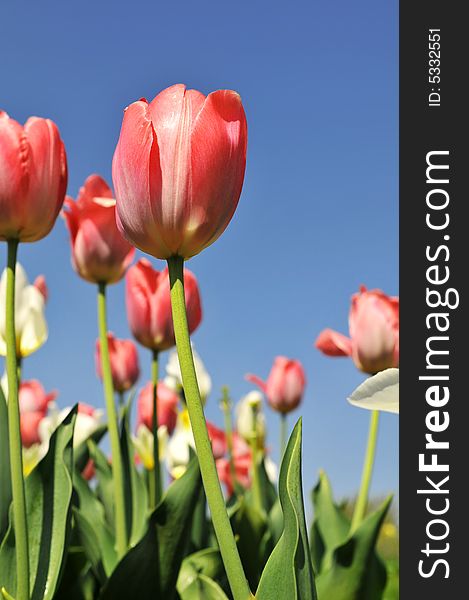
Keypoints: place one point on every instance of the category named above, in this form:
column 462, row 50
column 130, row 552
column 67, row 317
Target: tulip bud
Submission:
column 33, row 178
column 374, row 333
column 285, row 385
column 167, row 403
column 178, row 170
column 250, row 420
column 99, row 252
column 124, row 362
column 148, row 301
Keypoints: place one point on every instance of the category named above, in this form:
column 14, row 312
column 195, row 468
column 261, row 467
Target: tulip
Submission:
column 124, row 362
column 144, row 445
column 99, row 252
column 30, row 323
column 167, row 403
column 374, row 333
column 173, row 377
column 379, row 392
column 149, row 305
column 285, row 385
column 33, row 178
column 87, row 421
column 250, row 420
column 178, row 170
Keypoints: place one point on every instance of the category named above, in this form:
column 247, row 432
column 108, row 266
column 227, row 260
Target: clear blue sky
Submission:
column 318, row 215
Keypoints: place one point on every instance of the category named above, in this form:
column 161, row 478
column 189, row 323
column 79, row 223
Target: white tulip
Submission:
column 30, row 322
column 179, row 445
column 143, row 444
column 173, row 377
column 380, row 392
column 245, row 409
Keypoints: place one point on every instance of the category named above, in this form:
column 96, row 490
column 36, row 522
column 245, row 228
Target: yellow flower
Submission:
column 143, row 444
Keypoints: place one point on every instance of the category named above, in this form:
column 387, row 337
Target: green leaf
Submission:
column 330, row 526
column 206, row 562
column 356, row 572
column 48, row 503
column 105, row 487
column 94, row 533
column 203, row 588
column 392, row 585
column 5, row 481
column 288, row 572
column 149, row 571
column 250, row 528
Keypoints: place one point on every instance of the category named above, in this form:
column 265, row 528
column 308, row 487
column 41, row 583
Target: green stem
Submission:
column 14, row 432
column 113, row 427
column 254, row 443
column 120, row 396
column 221, row 523
column 283, row 434
column 226, row 408
column 155, row 487
column 362, row 500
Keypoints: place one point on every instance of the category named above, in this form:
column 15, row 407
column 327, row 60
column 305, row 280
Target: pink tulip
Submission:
column 242, row 461
column 218, row 439
column 149, row 305
column 374, row 333
column 99, row 252
column 178, row 170
column 285, row 385
column 124, row 362
column 34, row 403
column 167, row 403
column 33, row 178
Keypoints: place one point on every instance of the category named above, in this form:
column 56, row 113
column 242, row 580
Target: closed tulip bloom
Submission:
column 149, row 305
column 124, row 362
column 33, row 178
column 167, row 403
column 374, row 333
column 178, row 170
column 30, row 321
column 100, row 254
column 285, row 385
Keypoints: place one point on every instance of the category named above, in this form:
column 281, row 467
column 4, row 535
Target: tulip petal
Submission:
column 257, row 381
column 380, row 392
column 333, row 343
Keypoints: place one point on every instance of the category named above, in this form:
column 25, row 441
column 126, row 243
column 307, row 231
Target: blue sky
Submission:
column 318, row 214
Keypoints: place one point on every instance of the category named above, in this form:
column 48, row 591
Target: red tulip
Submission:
column 149, row 305
column 33, row 178
column 167, row 403
column 124, row 362
column 99, row 252
column 218, row 439
column 374, row 333
column 34, row 403
column 242, row 461
column 285, row 385
column 178, row 170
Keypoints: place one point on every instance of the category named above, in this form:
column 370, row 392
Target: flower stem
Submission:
column 362, row 500
column 226, row 408
column 221, row 523
column 155, row 486
column 254, row 443
column 14, row 432
column 113, row 427
column 283, row 434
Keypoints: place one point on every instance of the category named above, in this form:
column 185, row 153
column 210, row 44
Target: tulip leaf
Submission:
column 48, row 502
column 207, row 563
column 203, row 588
column 93, row 531
column 5, row 481
column 330, row 526
column 288, row 572
column 355, row 571
column 152, row 566
column 105, row 487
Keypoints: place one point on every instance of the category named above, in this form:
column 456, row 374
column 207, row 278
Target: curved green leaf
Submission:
column 288, row 572
column 149, row 571
column 203, row 588
column 48, row 503
column 5, row 480
column 206, row 562
column 356, row 572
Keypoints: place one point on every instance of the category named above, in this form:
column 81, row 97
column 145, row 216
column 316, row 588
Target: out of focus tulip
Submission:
column 143, row 444
column 34, row 403
column 167, row 403
column 33, row 178
column 30, row 322
column 99, row 252
column 374, row 333
column 285, row 385
column 124, row 362
column 173, row 377
column 149, row 305
column 380, row 392
column 250, row 419
column 88, row 420
column 178, row 170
